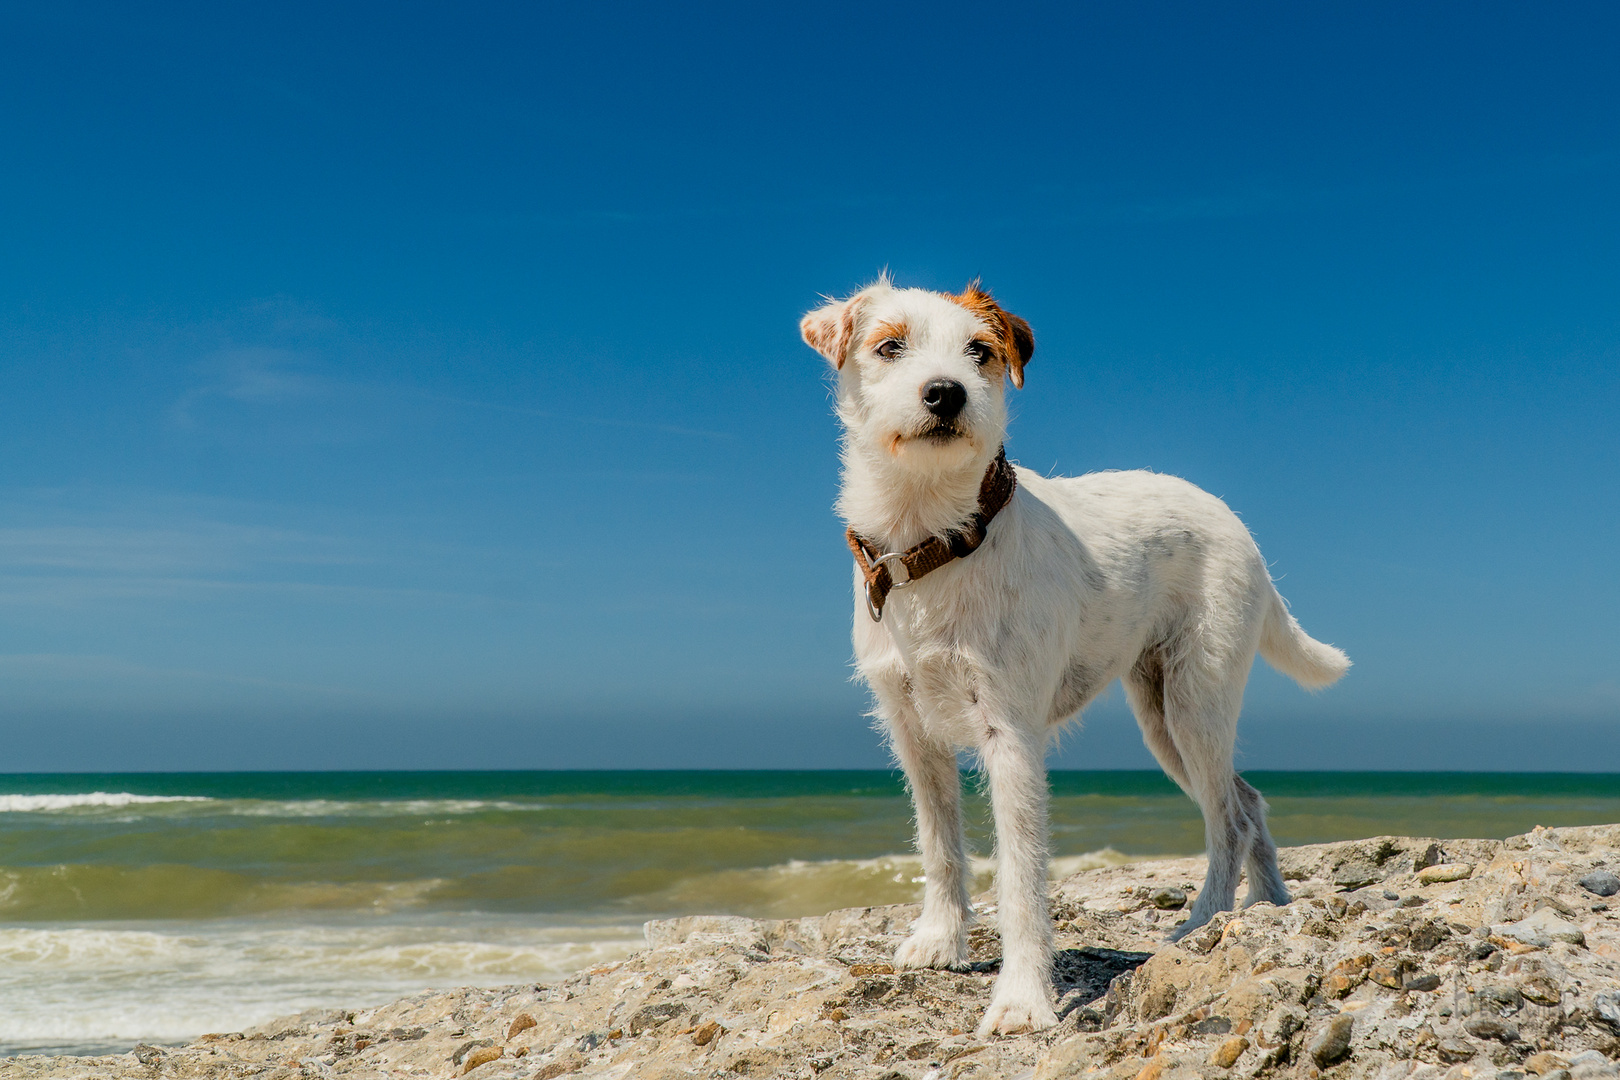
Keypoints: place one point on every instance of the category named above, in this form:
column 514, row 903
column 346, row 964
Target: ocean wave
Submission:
column 800, row 888
column 64, row 987
column 17, row 804
column 300, row 808
column 171, row 891
column 167, row 805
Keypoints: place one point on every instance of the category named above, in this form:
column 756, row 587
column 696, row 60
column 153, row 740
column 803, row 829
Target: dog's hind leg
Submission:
column 1265, row 880
column 939, row 939
column 1144, row 691
column 1014, row 762
column 1201, row 720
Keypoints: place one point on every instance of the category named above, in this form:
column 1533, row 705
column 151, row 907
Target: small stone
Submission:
column 650, row 1016
column 1607, row 1007
column 147, row 1054
column 1438, row 875
column 1545, row 1062
column 1385, row 975
column 1169, row 898
column 571, row 1062
column 1280, row 1026
column 1427, row 935
column 468, row 1047
column 1601, row 883
column 1506, row 998
column 1391, row 894
column 1432, row 856
column 1345, row 976
column 1541, row 990
column 520, row 1023
column 705, row 1035
column 858, row 970
column 1355, row 874
column 1226, row 1054
column 481, row 1056
column 1334, row 1041
column 1542, row 929
column 1421, row 983
column 1455, row 1050
column 1481, row 1026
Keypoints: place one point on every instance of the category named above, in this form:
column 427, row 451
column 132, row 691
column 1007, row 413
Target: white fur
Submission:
column 1116, row 575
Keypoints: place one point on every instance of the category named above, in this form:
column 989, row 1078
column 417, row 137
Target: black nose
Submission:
column 944, row 398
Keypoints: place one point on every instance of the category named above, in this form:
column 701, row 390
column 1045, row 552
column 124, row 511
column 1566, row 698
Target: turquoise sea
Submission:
column 157, row 907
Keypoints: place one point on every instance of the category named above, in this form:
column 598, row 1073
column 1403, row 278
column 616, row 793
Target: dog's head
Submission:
column 921, row 374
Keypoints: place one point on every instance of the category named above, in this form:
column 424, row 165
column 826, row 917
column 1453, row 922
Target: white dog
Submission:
column 993, row 603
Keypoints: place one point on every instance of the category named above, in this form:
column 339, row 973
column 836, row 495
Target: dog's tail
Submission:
column 1295, row 653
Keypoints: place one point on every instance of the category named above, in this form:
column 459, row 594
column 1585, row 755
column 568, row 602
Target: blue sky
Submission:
column 413, row 385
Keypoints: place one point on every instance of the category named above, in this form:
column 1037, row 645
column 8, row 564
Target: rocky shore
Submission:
column 1399, row 957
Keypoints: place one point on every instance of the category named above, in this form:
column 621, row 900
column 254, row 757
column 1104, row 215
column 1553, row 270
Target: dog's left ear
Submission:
column 830, row 329
column 1015, row 336
column 1020, row 347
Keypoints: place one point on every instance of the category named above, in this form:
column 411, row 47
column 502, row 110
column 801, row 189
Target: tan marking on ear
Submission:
column 1013, row 339
column 829, row 328
column 885, row 332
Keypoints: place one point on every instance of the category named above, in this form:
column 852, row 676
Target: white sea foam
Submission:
column 88, row 987
column 295, row 808
column 371, row 807
column 36, row 803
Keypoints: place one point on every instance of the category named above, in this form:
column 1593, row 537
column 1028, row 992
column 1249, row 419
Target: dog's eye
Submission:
column 890, row 349
column 980, row 351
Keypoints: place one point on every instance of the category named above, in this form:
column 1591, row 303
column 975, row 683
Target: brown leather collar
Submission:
column 995, row 492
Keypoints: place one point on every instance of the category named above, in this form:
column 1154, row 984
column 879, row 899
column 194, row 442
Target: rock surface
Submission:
column 1375, row 970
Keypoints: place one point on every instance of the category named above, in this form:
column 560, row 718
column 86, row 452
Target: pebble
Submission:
column 520, row 1023
column 481, row 1056
column 1437, row 875
column 1491, row 1027
column 1169, row 898
column 1607, row 1006
column 1542, row 929
column 1601, row 883
column 1334, row 1041
column 1227, row 1053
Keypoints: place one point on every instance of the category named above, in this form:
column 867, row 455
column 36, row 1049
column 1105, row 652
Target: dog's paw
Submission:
column 1016, row 1015
column 932, row 949
column 1181, row 930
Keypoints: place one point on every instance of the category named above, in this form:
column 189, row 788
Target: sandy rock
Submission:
column 1371, row 972
column 1445, row 872
column 481, row 1056
column 1227, row 1053
column 520, row 1023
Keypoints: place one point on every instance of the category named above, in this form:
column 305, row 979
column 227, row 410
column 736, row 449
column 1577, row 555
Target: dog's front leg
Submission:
column 1015, row 761
column 939, row 939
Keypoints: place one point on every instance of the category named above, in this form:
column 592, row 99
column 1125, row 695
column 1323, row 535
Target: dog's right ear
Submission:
column 830, row 329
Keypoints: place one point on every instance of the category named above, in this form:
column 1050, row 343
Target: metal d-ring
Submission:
column 872, row 608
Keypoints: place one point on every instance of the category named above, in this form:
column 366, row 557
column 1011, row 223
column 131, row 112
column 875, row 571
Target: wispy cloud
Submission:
column 255, row 375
